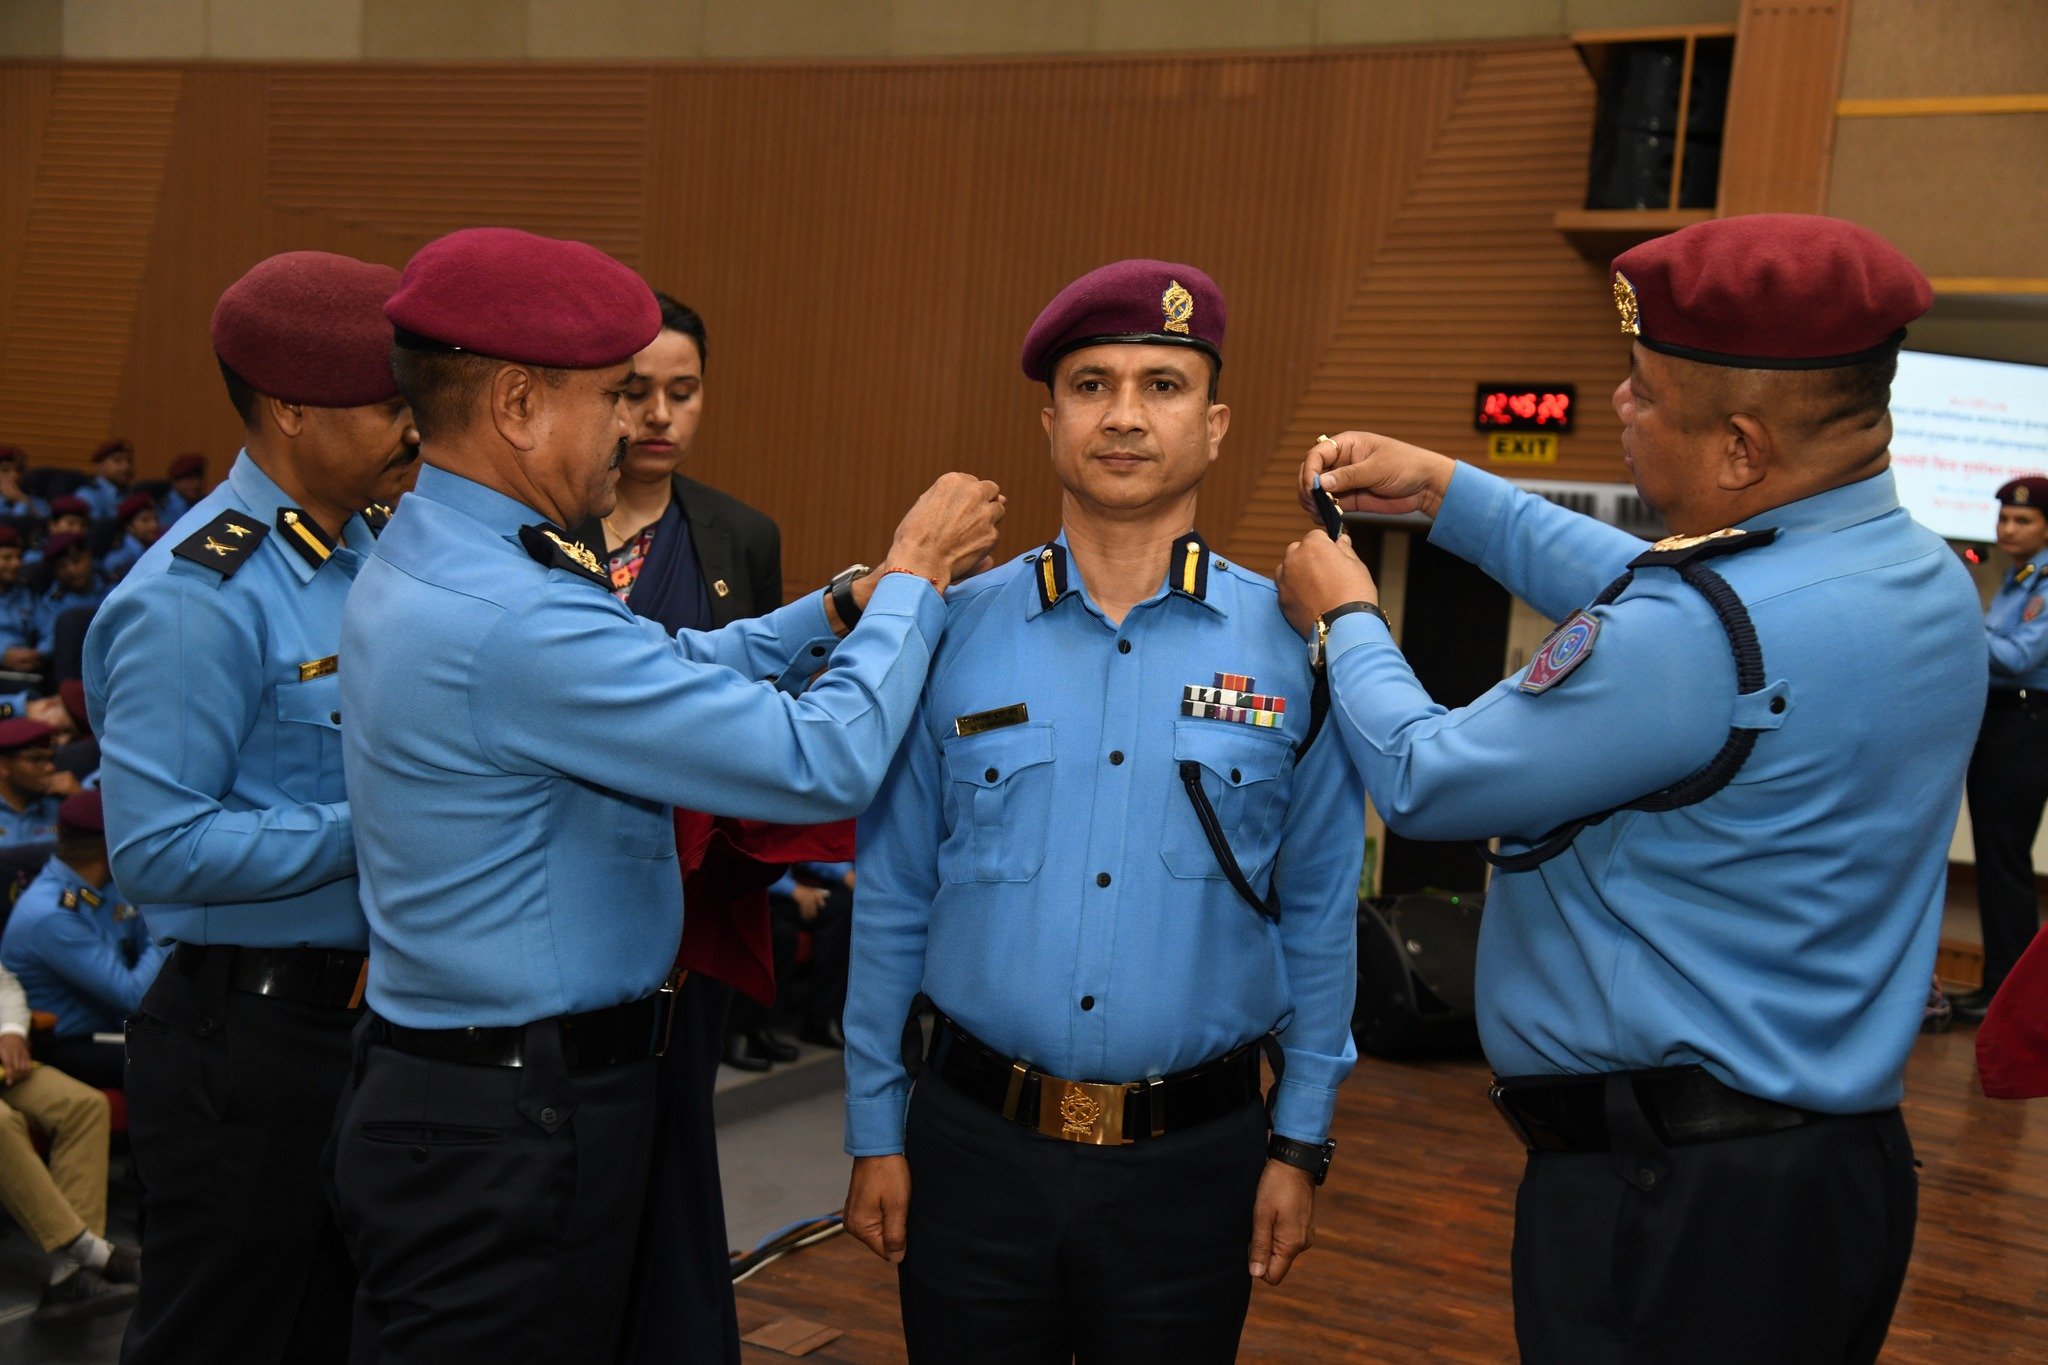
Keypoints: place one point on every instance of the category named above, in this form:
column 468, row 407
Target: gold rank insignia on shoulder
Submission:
column 223, row 544
column 981, row 722
column 1179, row 307
column 69, row 900
column 580, row 553
column 1625, row 304
column 550, row 547
column 1670, row 543
column 319, row 668
column 1674, row 551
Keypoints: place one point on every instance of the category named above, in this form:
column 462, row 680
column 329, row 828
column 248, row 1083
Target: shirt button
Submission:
column 334, row 716
column 1123, row 646
column 1116, row 756
column 817, row 651
column 991, row 775
column 1236, row 776
column 547, row 1115
column 1087, row 1002
column 1102, row 879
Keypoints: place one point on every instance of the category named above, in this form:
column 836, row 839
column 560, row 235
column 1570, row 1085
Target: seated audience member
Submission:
column 17, row 609
column 15, row 501
column 814, row 899
column 140, row 527
column 188, row 486
column 69, row 516
column 82, row 953
column 62, row 1206
column 75, row 584
column 31, row 789
column 113, row 466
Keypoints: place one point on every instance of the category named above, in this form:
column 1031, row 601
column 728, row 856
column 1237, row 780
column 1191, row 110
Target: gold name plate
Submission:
column 319, row 668
column 981, row 722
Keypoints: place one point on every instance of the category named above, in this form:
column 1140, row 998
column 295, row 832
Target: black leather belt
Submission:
column 1100, row 1113
column 2017, row 699
column 1684, row 1105
column 326, row 977
column 631, row 1032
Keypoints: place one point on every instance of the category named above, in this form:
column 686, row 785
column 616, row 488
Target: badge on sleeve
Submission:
column 1568, row 646
column 2032, row 609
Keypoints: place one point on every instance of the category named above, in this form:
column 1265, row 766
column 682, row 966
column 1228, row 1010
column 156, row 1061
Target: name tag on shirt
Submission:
column 318, row 668
column 981, row 722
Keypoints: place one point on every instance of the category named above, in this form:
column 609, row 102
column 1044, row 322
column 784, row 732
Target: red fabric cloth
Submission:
column 728, row 866
column 2012, row 1042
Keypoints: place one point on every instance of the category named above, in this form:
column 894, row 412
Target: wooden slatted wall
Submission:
column 867, row 242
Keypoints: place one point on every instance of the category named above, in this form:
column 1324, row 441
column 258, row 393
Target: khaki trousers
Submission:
column 54, row 1203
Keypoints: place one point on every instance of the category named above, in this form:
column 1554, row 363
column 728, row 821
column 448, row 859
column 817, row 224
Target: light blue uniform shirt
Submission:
column 118, row 561
column 218, row 709
column 1781, row 932
column 2016, row 627
column 60, row 599
column 17, row 617
column 82, row 953
column 102, row 497
column 519, row 737
column 34, row 823
column 981, row 862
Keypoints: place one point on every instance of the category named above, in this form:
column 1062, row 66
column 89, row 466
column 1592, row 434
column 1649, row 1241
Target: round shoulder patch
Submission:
column 1570, row 645
column 2032, row 609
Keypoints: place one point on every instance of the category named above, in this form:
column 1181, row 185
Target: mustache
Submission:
column 619, row 452
column 407, row 453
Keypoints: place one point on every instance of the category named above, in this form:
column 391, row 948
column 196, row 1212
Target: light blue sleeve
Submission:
column 783, row 886
column 1651, row 704
column 657, row 724
column 174, row 684
column 1552, row 558
column 70, row 949
column 2020, row 648
column 1315, row 884
column 792, row 637
column 898, row 841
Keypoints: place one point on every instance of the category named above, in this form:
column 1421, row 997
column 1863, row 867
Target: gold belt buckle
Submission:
column 1082, row 1111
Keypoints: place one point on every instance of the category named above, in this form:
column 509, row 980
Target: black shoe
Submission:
column 741, row 1057
column 1972, row 1006
column 83, row 1293
column 827, row 1034
column 124, row 1266
column 771, row 1047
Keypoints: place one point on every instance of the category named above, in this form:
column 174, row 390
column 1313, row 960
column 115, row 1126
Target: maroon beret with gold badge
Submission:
column 83, row 811
column 23, row 733
column 70, row 505
column 2028, row 491
column 308, row 327
column 1147, row 302
column 1770, row 291
column 511, row 295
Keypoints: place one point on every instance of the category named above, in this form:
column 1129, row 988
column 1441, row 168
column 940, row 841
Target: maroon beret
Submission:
column 82, row 812
column 70, row 506
column 9, row 538
column 61, row 544
column 133, row 504
column 1770, row 291
column 194, row 466
column 1152, row 302
column 510, row 295
column 117, row 446
column 23, row 733
column 14, row 455
column 2028, row 491
column 308, row 327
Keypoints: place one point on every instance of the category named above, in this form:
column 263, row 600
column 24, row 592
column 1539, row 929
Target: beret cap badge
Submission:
column 1179, row 307
column 2020, row 495
column 1625, row 304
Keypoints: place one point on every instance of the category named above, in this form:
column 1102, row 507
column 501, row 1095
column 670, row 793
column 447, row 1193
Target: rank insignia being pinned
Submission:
column 1232, row 699
column 1570, row 645
column 548, row 546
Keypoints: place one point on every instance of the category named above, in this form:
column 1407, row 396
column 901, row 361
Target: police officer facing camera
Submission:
column 2009, row 772
column 1117, row 860
column 512, row 802
column 1721, row 790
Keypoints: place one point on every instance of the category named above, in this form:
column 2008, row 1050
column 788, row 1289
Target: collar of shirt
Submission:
column 498, row 513
column 265, row 501
column 1054, row 578
column 1837, row 509
column 98, row 898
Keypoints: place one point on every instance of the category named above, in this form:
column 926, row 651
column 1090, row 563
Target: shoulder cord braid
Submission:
column 1719, row 771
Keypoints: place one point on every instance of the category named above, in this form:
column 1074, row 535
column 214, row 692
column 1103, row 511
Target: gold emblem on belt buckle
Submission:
column 1082, row 1111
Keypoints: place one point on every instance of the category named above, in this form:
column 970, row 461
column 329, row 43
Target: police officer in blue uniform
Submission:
column 2008, row 784
column 211, row 680
column 1117, row 860
column 17, row 608
column 31, row 788
column 113, row 467
column 513, row 802
column 81, row 951
column 1723, row 791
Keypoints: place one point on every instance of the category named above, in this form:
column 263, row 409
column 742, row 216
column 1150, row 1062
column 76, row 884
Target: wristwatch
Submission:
column 1307, row 1156
column 1320, row 641
column 840, row 590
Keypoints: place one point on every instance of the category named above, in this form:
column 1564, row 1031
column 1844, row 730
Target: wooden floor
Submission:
column 1411, row 1257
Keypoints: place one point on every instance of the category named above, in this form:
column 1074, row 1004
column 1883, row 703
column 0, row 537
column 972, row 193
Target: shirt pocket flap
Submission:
column 316, row 702
column 989, row 760
column 1238, row 755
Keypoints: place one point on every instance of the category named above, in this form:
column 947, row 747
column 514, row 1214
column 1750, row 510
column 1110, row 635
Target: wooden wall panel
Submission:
column 869, row 243
column 1781, row 107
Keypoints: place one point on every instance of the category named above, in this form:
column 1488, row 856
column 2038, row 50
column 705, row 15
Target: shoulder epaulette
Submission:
column 1673, row 551
column 557, row 551
column 225, row 543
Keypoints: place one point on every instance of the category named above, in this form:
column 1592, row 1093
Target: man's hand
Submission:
column 1368, row 473
column 809, row 901
column 1283, row 1219
column 51, row 712
column 61, row 783
column 878, row 1204
column 14, row 1058
column 949, row 534
column 21, row 659
column 1319, row 574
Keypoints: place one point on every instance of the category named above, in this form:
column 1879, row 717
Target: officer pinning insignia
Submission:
column 1570, row 645
column 981, row 722
column 305, row 535
column 550, row 547
column 1673, row 551
column 225, row 543
column 1232, row 699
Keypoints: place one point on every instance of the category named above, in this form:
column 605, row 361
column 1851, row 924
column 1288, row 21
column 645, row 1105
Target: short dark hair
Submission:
column 680, row 317
column 240, row 392
column 75, row 846
column 1862, row 390
column 442, row 387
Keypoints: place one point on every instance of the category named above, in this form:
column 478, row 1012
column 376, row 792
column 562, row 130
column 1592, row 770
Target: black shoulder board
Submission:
column 1673, row 551
column 558, row 551
column 225, row 543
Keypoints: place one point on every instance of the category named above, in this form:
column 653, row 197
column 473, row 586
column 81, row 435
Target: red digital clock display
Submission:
column 1524, row 407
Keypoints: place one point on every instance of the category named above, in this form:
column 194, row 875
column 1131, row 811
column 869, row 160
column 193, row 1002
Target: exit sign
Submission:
column 1522, row 447
column 1524, row 407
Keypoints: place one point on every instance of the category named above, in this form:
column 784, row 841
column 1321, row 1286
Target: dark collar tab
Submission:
column 1188, row 574
column 1049, row 569
column 548, row 545
column 225, row 543
column 303, row 534
column 376, row 516
column 1674, row 551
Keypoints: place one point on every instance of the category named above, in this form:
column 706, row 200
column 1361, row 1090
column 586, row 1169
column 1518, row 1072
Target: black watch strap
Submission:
column 841, row 590
column 1308, row 1156
column 1335, row 614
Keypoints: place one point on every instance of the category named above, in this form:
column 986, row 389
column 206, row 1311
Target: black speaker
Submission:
column 1416, row 956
